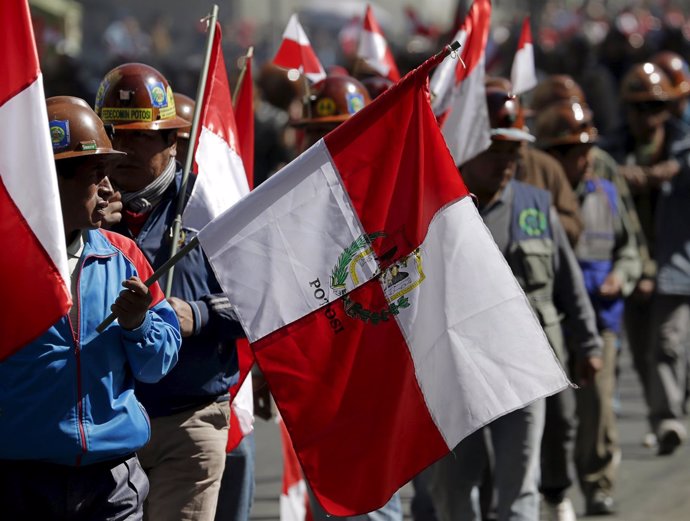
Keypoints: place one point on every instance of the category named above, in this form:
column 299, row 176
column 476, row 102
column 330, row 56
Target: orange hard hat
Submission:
column 76, row 130
column 184, row 106
column 135, row 96
column 565, row 123
column 646, row 82
column 676, row 68
column 333, row 100
column 505, row 116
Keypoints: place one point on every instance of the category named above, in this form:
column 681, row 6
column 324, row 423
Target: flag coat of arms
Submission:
column 35, row 289
column 382, row 314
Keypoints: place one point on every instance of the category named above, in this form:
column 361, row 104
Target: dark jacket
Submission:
column 207, row 364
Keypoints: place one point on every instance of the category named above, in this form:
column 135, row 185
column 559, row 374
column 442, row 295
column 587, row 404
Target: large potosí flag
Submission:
column 457, row 87
column 296, row 52
column 374, row 50
column 35, row 288
column 382, row 314
column 523, row 74
column 221, row 180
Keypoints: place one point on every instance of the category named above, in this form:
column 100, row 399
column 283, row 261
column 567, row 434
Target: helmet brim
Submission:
column 107, row 153
column 512, row 134
column 327, row 121
column 161, row 124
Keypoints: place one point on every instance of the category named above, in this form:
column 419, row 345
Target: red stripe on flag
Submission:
column 31, row 282
column 20, row 61
column 395, row 186
column 526, row 34
column 244, row 117
column 477, row 25
column 217, row 114
column 360, row 410
column 292, row 55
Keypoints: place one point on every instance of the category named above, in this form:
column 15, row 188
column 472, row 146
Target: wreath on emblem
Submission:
column 339, row 277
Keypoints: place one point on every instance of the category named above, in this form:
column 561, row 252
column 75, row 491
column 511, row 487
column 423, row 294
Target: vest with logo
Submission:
column 530, row 255
column 596, row 247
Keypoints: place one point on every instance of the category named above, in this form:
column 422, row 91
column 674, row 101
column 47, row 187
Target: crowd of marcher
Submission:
column 584, row 188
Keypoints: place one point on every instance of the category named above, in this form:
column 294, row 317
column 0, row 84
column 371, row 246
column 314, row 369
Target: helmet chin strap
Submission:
column 149, row 196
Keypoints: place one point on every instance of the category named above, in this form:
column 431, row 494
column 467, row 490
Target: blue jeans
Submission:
column 515, row 440
column 391, row 511
column 237, row 485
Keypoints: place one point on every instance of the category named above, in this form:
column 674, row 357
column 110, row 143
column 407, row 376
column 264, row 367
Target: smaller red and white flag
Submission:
column 242, row 396
column 297, row 53
column 35, row 289
column 523, row 74
column 221, row 180
column 458, row 92
column 294, row 499
column 374, row 50
column 244, row 117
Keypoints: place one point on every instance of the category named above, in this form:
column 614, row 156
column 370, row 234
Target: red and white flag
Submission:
column 457, row 87
column 221, row 180
column 35, row 289
column 386, row 321
column 294, row 499
column 523, row 74
column 242, row 395
column 374, row 50
column 242, row 407
column 244, row 117
column 296, row 52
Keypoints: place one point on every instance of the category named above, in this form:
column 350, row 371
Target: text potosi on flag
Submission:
column 221, row 180
column 459, row 95
column 35, row 288
column 381, row 312
column 296, row 52
column 523, row 74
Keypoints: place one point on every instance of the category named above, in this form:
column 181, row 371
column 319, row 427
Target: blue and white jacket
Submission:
column 68, row 397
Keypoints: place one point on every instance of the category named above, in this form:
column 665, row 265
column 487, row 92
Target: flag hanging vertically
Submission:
column 374, row 50
column 221, row 180
column 244, row 117
column 296, row 52
column 35, row 289
column 386, row 321
column 457, row 87
column 523, row 74
column 294, row 500
column 242, row 397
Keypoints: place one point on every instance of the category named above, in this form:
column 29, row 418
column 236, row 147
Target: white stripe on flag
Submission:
column 287, row 237
column 372, row 48
column 466, row 130
column 468, row 373
column 220, row 182
column 31, row 154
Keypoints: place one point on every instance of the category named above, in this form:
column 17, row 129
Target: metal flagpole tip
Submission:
column 455, row 45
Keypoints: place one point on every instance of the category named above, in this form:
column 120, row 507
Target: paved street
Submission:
column 651, row 488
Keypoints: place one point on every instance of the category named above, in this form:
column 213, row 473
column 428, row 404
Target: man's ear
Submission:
column 171, row 141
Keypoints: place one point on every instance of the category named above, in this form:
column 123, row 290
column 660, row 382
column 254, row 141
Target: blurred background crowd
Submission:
column 594, row 41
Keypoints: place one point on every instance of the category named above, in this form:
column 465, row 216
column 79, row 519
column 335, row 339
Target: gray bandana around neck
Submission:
column 149, row 196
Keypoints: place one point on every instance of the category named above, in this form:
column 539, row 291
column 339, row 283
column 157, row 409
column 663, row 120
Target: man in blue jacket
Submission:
column 70, row 423
column 189, row 407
